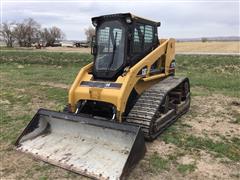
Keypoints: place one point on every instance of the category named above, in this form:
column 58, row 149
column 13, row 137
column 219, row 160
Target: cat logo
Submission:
column 108, row 84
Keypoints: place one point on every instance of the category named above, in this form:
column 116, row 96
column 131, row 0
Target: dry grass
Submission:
column 48, row 49
column 208, row 47
column 66, row 49
column 188, row 47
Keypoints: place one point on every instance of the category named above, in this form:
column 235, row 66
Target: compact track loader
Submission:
column 128, row 94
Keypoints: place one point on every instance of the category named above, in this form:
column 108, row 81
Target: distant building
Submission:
column 67, row 43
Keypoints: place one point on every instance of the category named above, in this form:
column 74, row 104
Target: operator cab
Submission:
column 121, row 40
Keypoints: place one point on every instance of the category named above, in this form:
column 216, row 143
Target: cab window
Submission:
column 142, row 38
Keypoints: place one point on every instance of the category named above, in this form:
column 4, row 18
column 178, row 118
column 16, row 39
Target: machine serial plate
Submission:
column 101, row 84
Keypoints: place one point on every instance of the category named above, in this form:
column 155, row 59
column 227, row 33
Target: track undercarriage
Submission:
column 160, row 106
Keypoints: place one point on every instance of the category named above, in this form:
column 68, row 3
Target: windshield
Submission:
column 110, row 43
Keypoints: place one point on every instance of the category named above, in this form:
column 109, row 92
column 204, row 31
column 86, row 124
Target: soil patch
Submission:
column 213, row 116
column 56, row 85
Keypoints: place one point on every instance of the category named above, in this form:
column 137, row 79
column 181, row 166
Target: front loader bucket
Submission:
column 91, row 147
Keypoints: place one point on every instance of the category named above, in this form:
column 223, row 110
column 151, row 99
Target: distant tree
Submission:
column 20, row 34
column 32, row 31
column 204, row 39
column 51, row 35
column 27, row 32
column 89, row 32
column 7, row 33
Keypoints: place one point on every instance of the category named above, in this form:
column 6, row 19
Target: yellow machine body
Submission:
column 162, row 55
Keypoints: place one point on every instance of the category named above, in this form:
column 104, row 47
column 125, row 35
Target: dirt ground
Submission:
column 57, row 85
column 209, row 116
column 206, row 47
column 181, row 47
column 66, row 49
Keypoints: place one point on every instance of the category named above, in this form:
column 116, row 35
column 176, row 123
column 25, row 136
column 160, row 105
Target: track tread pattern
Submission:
column 146, row 110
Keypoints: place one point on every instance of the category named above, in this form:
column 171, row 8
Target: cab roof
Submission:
column 125, row 15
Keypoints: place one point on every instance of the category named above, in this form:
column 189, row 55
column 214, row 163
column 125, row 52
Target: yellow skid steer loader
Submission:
column 128, row 94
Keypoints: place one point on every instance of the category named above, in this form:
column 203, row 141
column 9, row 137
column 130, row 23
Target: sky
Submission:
column 179, row 19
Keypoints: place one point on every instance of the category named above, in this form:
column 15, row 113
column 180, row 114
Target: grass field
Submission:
column 203, row 144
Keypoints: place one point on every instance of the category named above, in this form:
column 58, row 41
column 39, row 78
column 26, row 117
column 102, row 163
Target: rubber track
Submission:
column 146, row 110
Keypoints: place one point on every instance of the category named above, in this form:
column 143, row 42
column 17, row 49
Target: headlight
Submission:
column 128, row 20
column 94, row 23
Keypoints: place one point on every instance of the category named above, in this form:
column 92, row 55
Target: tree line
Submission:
column 29, row 32
column 89, row 32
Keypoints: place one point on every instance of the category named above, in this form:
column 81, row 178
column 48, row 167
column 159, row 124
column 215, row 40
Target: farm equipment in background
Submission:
column 128, row 94
column 83, row 44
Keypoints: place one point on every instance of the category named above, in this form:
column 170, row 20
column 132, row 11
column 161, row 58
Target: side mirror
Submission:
column 93, row 46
